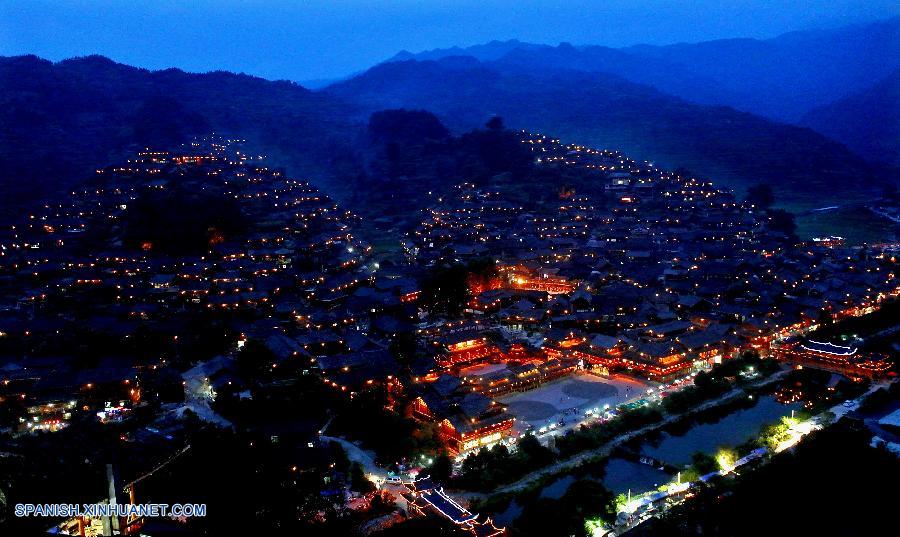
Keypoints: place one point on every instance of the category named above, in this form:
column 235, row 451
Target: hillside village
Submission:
column 200, row 287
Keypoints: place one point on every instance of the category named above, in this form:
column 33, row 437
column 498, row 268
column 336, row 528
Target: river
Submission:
column 732, row 430
column 622, row 475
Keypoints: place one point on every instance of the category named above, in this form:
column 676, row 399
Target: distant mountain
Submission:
column 493, row 50
column 59, row 121
column 663, row 74
column 780, row 78
column 867, row 122
column 319, row 83
column 786, row 76
column 666, row 75
column 728, row 146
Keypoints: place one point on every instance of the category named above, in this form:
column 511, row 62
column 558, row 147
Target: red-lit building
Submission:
column 426, row 497
column 466, row 419
column 656, row 360
column 522, row 278
column 522, row 376
column 464, row 347
column 847, row 360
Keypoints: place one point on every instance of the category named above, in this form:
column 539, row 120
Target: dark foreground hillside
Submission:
column 833, row 484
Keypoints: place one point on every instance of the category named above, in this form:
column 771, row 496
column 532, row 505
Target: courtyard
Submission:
column 567, row 399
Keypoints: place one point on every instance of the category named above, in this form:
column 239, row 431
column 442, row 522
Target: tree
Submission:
column 427, row 439
column 796, row 478
column 535, row 454
column 341, row 461
column 591, row 499
column 703, row 463
column 761, row 195
column 581, row 509
column 494, row 124
column 783, row 221
column 179, row 220
column 773, row 435
column 403, row 347
column 726, row 459
column 417, row 527
column 254, row 357
column 447, row 289
column 406, row 127
column 358, row 480
column 441, row 469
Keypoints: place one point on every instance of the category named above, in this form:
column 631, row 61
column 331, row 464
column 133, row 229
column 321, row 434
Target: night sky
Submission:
column 312, row 39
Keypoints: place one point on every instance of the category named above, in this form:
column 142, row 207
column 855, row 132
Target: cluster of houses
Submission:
column 642, row 272
column 296, row 278
column 646, row 273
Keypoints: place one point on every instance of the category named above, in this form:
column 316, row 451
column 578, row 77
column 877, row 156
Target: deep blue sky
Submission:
column 309, row 39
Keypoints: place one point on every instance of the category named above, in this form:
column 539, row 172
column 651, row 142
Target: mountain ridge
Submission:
column 780, row 78
column 868, row 122
column 729, row 146
column 59, row 121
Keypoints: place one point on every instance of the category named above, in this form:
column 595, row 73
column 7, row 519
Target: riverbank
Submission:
column 769, row 475
column 594, row 455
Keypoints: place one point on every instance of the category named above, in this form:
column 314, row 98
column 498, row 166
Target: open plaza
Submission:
column 566, row 401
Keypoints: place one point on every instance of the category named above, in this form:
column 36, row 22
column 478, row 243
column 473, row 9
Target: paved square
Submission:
column 571, row 396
